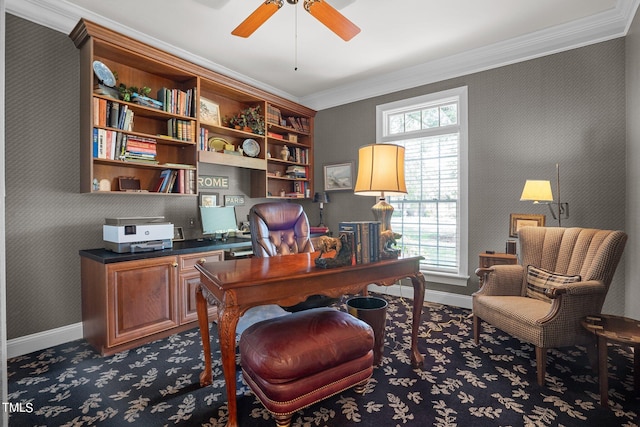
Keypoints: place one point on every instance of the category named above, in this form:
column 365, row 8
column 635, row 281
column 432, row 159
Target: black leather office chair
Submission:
column 281, row 228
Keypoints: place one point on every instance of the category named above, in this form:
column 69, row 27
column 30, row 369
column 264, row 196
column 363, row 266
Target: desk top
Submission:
column 179, row 248
column 234, row 274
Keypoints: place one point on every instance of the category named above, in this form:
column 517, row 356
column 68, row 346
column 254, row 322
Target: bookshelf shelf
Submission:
column 176, row 139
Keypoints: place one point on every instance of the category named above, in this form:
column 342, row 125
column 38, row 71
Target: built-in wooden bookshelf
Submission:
column 289, row 148
column 178, row 140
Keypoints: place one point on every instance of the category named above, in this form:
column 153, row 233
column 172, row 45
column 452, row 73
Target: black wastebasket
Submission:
column 373, row 311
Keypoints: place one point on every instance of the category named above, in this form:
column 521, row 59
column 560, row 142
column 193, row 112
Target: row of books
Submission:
column 274, row 115
column 114, row 145
column 178, row 101
column 176, row 181
column 300, row 155
column 203, row 140
column 365, row 240
column 184, row 130
column 112, row 114
column 300, row 124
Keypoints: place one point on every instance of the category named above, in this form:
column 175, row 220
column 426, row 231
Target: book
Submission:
column 102, row 112
column 114, row 114
column 171, row 182
column 162, row 181
column 102, row 144
column 354, row 228
column 95, row 143
column 367, row 239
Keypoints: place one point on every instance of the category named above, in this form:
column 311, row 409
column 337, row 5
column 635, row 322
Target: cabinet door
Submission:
column 141, row 298
column 188, row 284
column 189, row 280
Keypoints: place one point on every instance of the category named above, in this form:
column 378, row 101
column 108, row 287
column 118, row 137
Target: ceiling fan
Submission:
column 319, row 9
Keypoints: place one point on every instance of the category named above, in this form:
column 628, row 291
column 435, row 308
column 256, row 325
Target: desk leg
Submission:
column 417, row 359
column 603, row 372
column 203, row 322
column 228, row 320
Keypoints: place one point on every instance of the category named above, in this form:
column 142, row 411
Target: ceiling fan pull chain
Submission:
column 295, row 41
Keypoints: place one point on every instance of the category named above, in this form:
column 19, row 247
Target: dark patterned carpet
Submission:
column 493, row 384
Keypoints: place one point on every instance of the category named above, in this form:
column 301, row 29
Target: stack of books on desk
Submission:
column 365, row 239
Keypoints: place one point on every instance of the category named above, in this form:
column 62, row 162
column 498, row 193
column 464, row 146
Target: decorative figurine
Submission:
column 284, row 153
column 388, row 240
column 342, row 256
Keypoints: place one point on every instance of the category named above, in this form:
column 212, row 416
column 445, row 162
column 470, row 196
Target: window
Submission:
column 432, row 217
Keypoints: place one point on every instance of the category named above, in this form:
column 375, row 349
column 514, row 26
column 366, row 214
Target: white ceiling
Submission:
column 402, row 44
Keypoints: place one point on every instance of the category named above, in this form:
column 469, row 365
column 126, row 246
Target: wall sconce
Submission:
column 539, row 191
column 380, row 172
column 321, row 198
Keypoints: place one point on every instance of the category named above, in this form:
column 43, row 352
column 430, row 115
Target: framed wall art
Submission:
column 517, row 221
column 209, row 112
column 338, row 176
column 208, row 199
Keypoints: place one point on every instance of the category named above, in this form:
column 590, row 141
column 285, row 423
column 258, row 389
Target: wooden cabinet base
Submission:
column 130, row 303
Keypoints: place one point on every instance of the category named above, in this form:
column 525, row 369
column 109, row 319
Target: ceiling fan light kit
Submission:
column 319, row 9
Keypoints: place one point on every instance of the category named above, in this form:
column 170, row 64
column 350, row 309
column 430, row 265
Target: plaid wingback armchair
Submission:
column 564, row 275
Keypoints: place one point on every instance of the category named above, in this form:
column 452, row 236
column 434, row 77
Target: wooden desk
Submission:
column 237, row 285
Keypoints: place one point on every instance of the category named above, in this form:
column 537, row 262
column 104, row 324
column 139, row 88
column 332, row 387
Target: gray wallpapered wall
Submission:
column 632, row 89
column 523, row 118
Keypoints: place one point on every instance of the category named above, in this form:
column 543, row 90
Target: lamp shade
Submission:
column 321, row 198
column 380, row 170
column 537, row 191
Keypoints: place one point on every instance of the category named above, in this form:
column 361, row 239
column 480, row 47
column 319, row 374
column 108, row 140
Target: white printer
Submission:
column 137, row 234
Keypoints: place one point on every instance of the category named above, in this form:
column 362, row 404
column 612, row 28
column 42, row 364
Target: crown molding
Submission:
column 605, row 26
column 63, row 16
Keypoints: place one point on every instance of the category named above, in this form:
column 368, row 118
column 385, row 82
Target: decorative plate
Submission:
column 251, row 147
column 104, row 74
column 217, row 144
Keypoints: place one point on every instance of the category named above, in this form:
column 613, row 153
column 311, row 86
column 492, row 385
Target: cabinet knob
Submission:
column 175, row 264
column 202, row 261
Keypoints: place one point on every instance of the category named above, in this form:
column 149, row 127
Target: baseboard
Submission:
column 45, row 339
column 437, row 297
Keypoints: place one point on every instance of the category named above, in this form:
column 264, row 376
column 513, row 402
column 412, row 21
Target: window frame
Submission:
column 459, row 95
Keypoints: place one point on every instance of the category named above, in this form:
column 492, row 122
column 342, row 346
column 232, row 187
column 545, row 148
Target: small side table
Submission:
column 619, row 330
column 486, row 260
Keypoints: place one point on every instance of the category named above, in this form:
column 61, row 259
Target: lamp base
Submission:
column 382, row 212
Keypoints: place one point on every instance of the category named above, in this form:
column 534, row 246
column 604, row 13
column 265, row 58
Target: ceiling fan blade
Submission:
column 332, row 19
column 257, row 18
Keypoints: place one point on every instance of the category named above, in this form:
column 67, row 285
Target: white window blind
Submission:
column 432, row 217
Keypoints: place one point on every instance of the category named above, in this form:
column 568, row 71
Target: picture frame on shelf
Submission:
column 209, row 199
column 338, row 177
column 517, row 221
column 209, row 112
column 178, row 234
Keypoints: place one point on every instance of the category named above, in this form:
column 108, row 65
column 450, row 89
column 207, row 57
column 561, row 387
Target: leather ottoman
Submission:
column 296, row 360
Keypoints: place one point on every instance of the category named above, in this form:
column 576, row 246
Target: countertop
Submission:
column 179, row 248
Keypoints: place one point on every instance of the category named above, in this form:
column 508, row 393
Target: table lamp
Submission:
column 321, row 198
column 380, row 173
